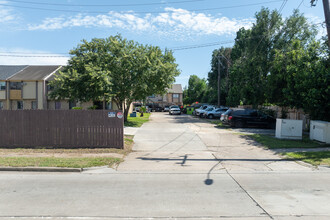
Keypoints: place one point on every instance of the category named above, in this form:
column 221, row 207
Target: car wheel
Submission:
column 239, row 124
column 210, row 116
column 170, row 113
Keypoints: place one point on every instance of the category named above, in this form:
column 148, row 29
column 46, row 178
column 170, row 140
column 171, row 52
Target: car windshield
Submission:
column 174, row 106
column 228, row 111
column 209, row 109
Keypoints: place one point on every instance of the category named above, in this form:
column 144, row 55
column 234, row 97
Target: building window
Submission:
column 1, row 105
column 72, row 104
column 2, row 85
column 34, row 105
column 175, row 96
column 152, row 96
column 15, row 85
column 57, row 105
column 19, row 105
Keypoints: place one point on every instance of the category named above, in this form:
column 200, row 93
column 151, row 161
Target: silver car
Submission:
column 174, row 110
column 216, row 113
column 203, row 107
column 203, row 112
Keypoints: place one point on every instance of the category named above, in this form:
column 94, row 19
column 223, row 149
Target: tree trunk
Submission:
column 126, row 110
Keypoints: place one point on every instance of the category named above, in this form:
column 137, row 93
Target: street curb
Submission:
column 40, row 169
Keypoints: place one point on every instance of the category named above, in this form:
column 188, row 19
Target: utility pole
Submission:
column 326, row 8
column 219, row 78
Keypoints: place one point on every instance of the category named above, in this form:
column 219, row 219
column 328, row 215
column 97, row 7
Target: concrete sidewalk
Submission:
column 182, row 168
column 163, row 144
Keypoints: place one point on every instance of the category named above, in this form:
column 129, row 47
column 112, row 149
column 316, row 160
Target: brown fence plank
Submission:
column 60, row 128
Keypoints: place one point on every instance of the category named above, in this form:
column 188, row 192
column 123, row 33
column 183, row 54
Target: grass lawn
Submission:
column 314, row 158
column 137, row 121
column 61, row 157
column 220, row 124
column 58, row 162
column 271, row 142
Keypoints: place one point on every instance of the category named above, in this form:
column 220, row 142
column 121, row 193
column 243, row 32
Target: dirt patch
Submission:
column 71, row 153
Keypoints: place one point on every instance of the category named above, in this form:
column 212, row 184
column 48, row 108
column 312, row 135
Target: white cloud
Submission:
column 18, row 56
column 6, row 14
column 318, row 23
column 172, row 22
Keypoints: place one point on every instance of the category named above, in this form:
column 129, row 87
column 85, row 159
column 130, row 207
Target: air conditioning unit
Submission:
column 289, row 129
column 320, row 131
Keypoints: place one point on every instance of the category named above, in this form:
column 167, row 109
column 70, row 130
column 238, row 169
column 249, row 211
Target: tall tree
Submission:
column 115, row 68
column 251, row 57
column 195, row 91
column 224, row 56
column 295, row 29
column 306, row 78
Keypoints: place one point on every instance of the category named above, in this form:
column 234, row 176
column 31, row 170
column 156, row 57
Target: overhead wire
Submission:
column 105, row 5
column 186, row 47
column 141, row 12
column 280, row 11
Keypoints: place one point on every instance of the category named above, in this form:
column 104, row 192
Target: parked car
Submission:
column 248, row 117
column 166, row 108
column 216, row 113
column 203, row 112
column 175, row 110
column 154, row 107
column 197, row 111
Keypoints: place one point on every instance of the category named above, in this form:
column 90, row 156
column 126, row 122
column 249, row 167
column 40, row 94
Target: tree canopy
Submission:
column 277, row 61
column 115, row 69
column 195, row 91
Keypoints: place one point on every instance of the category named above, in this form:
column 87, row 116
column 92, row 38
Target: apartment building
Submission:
column 6, row 71
column 173, row 96
column 26, row 87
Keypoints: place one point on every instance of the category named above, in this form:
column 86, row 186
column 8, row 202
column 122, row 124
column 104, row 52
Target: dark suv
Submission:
column 248, row 117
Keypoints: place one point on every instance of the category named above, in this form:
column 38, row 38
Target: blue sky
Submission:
column 43, row 31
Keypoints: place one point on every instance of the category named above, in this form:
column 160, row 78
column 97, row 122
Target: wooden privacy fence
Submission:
column 61, row 128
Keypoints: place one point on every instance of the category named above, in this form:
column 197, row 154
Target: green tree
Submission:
column 306, row 78
column 251, row 56
column 224, row 56
column 115, row 68
column 252, row 79
column 195, row 91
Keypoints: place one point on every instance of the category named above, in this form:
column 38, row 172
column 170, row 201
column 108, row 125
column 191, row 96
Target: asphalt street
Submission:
column 181, row 168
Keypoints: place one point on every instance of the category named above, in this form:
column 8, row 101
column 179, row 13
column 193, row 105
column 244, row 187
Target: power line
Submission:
column 112, row 5
column 14, row 55
column 12, row 52
column 141, row 12
column 280, row 11
column 282, row 6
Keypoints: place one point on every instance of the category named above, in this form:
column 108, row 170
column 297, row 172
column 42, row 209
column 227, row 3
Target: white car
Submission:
column 166, row 109
column 174, row 110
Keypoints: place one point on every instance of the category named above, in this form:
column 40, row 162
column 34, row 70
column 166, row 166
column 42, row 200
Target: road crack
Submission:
column 240, row 186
